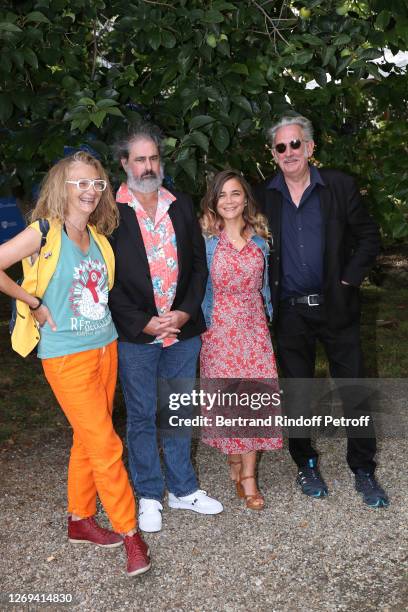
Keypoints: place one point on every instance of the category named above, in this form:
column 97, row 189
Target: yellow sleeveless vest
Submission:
column 26, row 333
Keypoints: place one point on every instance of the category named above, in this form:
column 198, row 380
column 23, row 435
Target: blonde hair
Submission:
column 212, row 223
column 52, row 201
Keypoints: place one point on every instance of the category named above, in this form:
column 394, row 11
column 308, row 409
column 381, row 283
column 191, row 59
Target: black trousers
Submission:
column 298, row 329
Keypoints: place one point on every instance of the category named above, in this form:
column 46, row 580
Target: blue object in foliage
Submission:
column 11, row 220
column 168, row 181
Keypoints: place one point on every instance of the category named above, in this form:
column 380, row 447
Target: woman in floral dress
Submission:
column 237, row 344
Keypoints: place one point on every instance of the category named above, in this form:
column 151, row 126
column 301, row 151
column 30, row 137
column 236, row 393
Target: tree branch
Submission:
column 272, row 22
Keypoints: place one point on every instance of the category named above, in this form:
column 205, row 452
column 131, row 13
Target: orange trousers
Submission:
column 84, row 385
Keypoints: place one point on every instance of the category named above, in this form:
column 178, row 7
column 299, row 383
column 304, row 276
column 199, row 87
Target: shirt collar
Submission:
column 126, row 196
column 278, row 181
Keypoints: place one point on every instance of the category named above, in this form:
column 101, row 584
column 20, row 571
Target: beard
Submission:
column 147, row 183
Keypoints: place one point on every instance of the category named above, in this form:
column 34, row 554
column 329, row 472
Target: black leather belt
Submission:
column 310, row 300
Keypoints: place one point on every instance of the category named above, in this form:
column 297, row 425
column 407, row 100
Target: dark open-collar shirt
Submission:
column 301, row 238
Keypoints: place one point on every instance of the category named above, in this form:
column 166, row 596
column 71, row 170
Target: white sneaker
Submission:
column 198, row 501
column 150, row 517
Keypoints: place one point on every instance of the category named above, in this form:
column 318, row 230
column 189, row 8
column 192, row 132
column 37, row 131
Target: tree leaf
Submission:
column 343, row 64
column 374, row 70
column 320, row 76
column 114, row 110
column 223, row 48
column 30, row 58
column 170, row 74
column 239, row 69
column 310, row 39
column 200, row 120
column 106, row 102
column 37, row 17
column 189, row 166
column 168, row 39
column 341, row 39
column 86, row 102
column 18, row 59
column 20, row 101
column 69, row 83
column 80, row 124
column 6, row 26
column 302, row 58
column 213, row 16
column 154, row 39
column 370, row 54
column 220, row 137
column 5, row 64
column 201, row 140
column 97, row 118
column 383, row 20
column 219, row 5
column 243, row 103
column 327, row 55
column 6, row 107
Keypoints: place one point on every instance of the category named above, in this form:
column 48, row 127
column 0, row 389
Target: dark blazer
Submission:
column 351, row 242
column 132, row 300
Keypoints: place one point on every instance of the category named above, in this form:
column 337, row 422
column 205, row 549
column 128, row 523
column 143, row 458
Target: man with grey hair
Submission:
column 160, row 280
column 324, row 244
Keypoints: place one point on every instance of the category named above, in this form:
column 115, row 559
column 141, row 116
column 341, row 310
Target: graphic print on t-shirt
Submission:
column 88, row 296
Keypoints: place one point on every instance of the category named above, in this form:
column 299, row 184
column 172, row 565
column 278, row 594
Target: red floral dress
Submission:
column 238, row 344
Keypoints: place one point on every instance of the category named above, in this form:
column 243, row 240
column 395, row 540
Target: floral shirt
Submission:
column 161, row 248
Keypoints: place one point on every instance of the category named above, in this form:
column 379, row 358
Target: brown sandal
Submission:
column 254, row 501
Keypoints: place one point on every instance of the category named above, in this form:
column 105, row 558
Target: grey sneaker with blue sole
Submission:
column 373, row 495
column 310, row 480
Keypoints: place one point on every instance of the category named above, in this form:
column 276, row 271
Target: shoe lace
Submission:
column 96, row 527
column 133, row 546
column 311, row 473
column 199, row 493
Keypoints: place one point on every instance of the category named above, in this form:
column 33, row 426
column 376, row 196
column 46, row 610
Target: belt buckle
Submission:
column 314, row 295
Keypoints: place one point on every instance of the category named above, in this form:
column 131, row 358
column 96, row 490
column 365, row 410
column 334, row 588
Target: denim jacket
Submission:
column 211, row 243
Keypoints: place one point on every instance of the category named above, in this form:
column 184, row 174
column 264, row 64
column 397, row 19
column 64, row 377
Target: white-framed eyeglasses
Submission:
column 85, row 184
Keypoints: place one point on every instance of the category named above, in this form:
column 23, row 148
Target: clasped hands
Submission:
column 167, row 325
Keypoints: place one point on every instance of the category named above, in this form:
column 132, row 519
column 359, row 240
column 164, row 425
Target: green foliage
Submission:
column 213, row 75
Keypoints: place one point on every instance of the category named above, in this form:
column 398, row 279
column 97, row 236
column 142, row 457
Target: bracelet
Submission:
column 39, row 304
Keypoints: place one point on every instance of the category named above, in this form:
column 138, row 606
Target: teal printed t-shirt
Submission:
column 77, row 297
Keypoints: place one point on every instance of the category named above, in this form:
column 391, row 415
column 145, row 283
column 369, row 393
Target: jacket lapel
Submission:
column 274, row 214
column 129, row 218
column 325, row 198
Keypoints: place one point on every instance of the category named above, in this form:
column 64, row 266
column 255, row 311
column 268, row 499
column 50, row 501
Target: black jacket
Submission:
column 132, row 300
column 351, row 242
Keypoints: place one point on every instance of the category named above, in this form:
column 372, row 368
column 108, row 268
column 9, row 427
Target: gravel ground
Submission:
column 298, row 554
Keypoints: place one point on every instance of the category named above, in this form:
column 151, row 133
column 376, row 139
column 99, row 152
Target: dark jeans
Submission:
column 299, row 328
column 141, row 367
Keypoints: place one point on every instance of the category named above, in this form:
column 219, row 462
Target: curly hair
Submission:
column 53, row 201
column 142, row 131
column 212, row 223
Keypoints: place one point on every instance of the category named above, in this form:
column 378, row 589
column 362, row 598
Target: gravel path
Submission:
column 297, row 555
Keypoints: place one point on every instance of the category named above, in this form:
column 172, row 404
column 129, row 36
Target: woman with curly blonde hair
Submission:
column 237, row 344
column 62, row 305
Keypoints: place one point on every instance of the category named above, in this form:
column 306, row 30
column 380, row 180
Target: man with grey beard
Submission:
column 160, row 280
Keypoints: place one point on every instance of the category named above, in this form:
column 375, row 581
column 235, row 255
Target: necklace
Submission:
column 236, row 239
column 81, row 231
